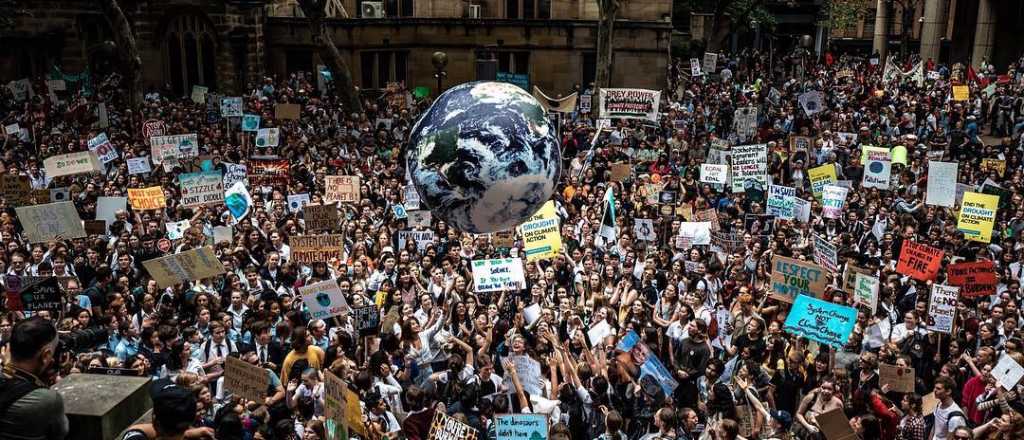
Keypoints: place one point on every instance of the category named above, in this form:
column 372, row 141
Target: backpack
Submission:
column 929, row 421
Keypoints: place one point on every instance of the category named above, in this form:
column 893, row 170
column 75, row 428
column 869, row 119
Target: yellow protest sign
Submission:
column 541, row 237
column 977, row 216
column 961, row 93
column 997, row 165
column 899, row 154
column 820, row 177
column 868, row 152
column 147, row 198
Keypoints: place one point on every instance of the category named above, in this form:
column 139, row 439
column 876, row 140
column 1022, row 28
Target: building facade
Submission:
column 228, row 44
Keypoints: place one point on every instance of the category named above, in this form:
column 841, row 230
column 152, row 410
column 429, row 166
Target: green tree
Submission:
column 844, row 14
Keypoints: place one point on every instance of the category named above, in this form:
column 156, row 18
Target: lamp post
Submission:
column 439, row 60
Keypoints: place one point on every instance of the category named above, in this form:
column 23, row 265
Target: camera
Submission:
column 82, row 340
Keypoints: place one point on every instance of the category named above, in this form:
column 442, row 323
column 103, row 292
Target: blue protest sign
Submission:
column 250, row 122
column 521, row 427
column 821, row 321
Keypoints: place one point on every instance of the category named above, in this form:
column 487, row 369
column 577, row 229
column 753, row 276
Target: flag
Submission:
column 608, row 230
column 238, row 200
column 561, row 105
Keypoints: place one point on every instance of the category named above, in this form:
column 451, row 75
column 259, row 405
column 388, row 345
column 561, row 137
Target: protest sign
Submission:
column 825, row 253
column 309, row 249
column 870, row 153
column 997, row 165
column 942, row 308
column 366, row 319
column 865, row 291
column 199, row 94
column 147, row 198
column 43, row 294
column 521, row 427
column 422, row 238
column 1007, row 372
column 643, row 228
column 498, row 274
column 199, row 189
column 709, row 215
column 710, row 63
column 251, row 123
column 70, row 164
column 107, row 207
column 178, row 146
column 190, row 265
column 444, row 427
column 620, row 171
column 978, row 216
column 835, row 425
column 235, row 173
column 637, row 357
column 629, row 103
column 343, row 189
column 801, row 210
column 792, row 277
column 833, row 200
column 974, row 279
column 287, row 111
column 152, row 127
column 812, row 102
column 900, row 379
column 781, row 201
column 961, row 93
column 266, row 171
column 268, row 137
column 50, row 221
column 231, row 106
column 941, row 188
column 920, row 261
column 695, row 67
column 104, row 150
column 222, row 234
column 877, row 174
column 1004, row 194
column 342, row 404
column 712, row 173
column 320, row 217
column 541, row 236
column 821, row 321
column 412, row 198
column 419, row 218
column 697, row 233
column 176, row 230
column 801, row 143
column 16, row 189
column 745, row 122
column 820, row 177
column 297, row 201
column 139, row 165
column 245, row 380
column 586, row 102
column 324, row 299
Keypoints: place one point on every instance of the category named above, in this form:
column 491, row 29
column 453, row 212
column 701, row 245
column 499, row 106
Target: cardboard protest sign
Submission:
column 825, row 253
column 498, row 274
column 309, row 249
column 942, row 308
column 82, row 162
column 833, row 200
column 198, row 189
column 877, row 174
column 268, row 137
column 50, row 221
column 411, row 197
column 900, row 379
column 620, row 171
column 287, row 111
column 444, row 427
column 781, row 201
column 343, row 189
column 147, row 198
column 366, row 320
column 715, row 174
column 324, row 299
column 178, row 146
column 974, row 279
column 190, row 265
column 265, row 171
column 978, row 216
column 820, row 177
column 342, row 404
column 801, row 210
column 792, row 277
column 835, row 425
column 1007, row 372
column 16, row 189
column 245, row 380
column 521, row 427
column 44, row 294
column 749, row 162
column 920, row 261
column 104, row 150
column 138, row 165
column 629, row 103
column 928, row 404
column 320, row 217
column 865, row 291
column 821, row 321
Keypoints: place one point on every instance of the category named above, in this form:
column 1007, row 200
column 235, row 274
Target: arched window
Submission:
column 190, row 53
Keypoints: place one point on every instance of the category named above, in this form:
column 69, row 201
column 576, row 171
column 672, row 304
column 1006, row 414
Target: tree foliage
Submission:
column 844, row 14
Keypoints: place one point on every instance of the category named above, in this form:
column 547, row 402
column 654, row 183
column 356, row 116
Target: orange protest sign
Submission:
column 974, row 279
column 147, row 198
column 919, row 261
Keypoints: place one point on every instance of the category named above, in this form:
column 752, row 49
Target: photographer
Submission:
column 29, row 410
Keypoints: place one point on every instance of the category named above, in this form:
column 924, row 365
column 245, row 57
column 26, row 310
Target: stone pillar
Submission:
column 880, row 43
column 931, row 29
column 984, row 32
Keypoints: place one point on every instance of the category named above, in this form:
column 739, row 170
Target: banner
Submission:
column 792, row 277
column 821, row 176
column 921, row 262
column 178, row 146
column 812, row 102
column 521, row 427
column 781, row 201
column 343, row 189
column 199, row 189
column 629, row 103
column 324, row 299
column 821, row 321
column 498, row 274
column 825, row 253
column 716, row 174
column 877, row 174
column 941, row 188
column 942, row 308
column 974, row 279
column 72, row 163
column 444, row 427
column 147, row 198
column 245, row 380
column 866, row 291
column 833, row 200
column 749, row 162
column 268, row 172
column 560, row 105
column 541, row 236
column 309, row 249
column 187, row 266
column 104, row 150
column 978, row 216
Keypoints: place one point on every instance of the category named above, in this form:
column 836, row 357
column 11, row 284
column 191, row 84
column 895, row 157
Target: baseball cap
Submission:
column 173, row 406
column 783, row 417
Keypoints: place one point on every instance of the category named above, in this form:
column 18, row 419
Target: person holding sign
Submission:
column 821, row 400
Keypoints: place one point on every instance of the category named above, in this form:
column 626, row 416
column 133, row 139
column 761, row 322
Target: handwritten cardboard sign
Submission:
column 309, row 249
column 900, row 379
column 50, row 221
column 190, row 265
column 245, row 380
column 920, row 261
column 287, row 111
column 444, row 427
column 320, row 217
column 198, row 189
column 70, row 164
column 792, row 277
column 341, row 189
column 342, row 404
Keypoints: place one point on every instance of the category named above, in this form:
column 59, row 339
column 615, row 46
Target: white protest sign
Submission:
column 297, row 201
column 877, row 174
column 749, row 162
column 711, row 173
column 942, row 187
column 105, row 151
column 801, row 210
column 812, row 102
column 781, row 201
column 942, row 308
column 324, row 299
column 710, row 62
column 643, row 228
column 866, row 290
column 176, row 230
column 235, row 173
column 697, row 233
column 421, row 238
column 107, row 207
column 420, row 218
column 1008, row 372
column 268, row 137
column 139, row 165
column 833, row 200
column 498, row 274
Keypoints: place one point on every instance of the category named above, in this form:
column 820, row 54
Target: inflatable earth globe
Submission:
column 484, row 156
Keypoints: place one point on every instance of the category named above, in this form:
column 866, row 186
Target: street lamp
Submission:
column 439, row 60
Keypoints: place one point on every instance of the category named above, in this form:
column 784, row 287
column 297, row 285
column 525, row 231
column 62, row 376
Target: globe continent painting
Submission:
column 484, row 157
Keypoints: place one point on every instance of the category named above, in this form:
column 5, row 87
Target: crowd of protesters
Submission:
column 705, row 312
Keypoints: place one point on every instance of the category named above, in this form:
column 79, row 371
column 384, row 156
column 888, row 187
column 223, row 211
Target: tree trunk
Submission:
column 330, row 55
column 608, row 10
column 128, row 53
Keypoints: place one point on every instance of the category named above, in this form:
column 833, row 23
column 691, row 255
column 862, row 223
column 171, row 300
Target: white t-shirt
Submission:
column 943, row 426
